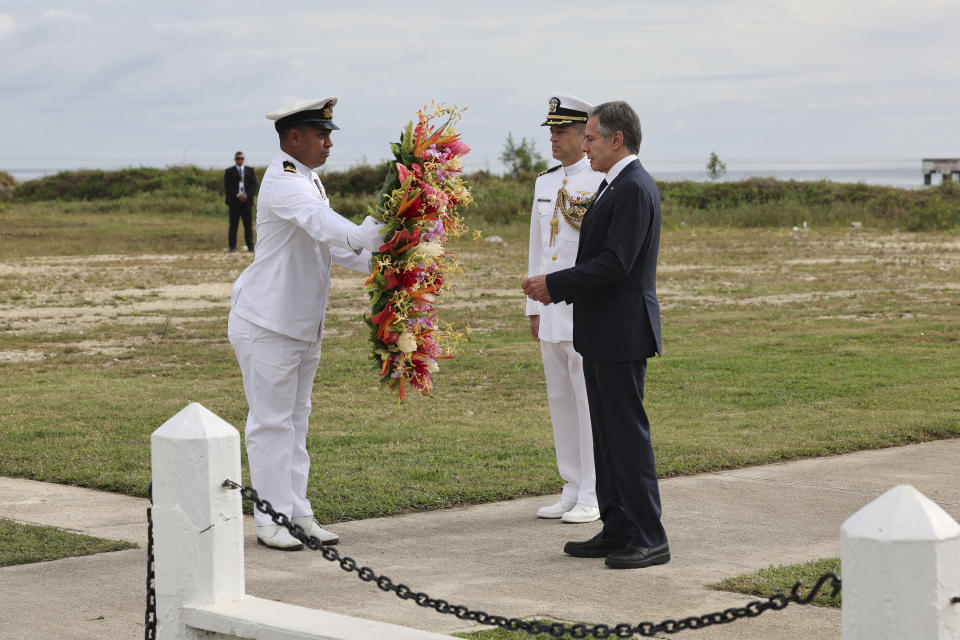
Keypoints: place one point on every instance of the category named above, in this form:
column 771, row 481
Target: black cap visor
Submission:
column 313, row 117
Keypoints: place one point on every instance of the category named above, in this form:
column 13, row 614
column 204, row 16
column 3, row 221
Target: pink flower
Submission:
column 430, row 348
column 403, row 172
column 458, row 147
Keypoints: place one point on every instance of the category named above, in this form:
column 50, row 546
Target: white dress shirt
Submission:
column 615, row 171
column 285, row 288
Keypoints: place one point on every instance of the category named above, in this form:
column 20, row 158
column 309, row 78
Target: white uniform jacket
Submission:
column 580, row 181
column 285, row 288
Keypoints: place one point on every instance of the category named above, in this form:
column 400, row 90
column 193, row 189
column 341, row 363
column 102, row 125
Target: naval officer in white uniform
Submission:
column 277, row 310
column 561, row 196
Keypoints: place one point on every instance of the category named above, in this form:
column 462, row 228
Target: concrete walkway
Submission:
column 495, row 557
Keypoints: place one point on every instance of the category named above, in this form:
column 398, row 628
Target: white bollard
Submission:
column 901, row 569
column 198, row 525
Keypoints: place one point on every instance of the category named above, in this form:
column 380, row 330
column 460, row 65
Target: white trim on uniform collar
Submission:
column 583, row 164
column 618, row 167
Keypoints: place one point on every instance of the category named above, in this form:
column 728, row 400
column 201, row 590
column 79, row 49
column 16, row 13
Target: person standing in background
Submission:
column 239, row 187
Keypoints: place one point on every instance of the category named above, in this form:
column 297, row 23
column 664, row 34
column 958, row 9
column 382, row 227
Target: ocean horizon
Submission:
column 901, row 174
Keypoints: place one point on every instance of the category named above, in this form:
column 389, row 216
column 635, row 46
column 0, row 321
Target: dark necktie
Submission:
column 603, row 185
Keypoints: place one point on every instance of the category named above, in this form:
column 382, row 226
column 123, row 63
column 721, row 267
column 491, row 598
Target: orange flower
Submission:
column 373, row 275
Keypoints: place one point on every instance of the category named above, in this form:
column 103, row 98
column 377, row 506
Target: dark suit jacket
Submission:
column 231, row 184
column 613, row 284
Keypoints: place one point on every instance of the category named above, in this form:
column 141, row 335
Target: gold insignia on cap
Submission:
column 328, row 111
column 554, row 103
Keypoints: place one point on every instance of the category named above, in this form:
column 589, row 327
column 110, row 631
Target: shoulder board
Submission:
column 289, row 167
column 543, row 173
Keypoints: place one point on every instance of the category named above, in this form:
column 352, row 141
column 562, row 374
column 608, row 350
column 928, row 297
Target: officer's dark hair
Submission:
column 619, row 116
column 285, row 133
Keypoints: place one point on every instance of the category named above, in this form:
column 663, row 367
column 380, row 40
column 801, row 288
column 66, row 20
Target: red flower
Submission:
column 420, row 378
column 408, row 278
column 390, row 279
column 385, row 315
column 403, row 239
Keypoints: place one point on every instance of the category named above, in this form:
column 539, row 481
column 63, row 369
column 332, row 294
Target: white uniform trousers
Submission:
column 278, row 373
column 570, row 414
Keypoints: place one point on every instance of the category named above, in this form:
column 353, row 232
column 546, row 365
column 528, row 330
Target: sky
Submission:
column 112, row 83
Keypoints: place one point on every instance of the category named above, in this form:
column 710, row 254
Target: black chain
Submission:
column 556, row 629
column 150, row 617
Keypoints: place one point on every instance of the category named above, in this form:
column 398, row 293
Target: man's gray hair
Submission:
column 619, row 116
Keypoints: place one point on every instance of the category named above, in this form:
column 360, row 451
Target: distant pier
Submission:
column 944, row 166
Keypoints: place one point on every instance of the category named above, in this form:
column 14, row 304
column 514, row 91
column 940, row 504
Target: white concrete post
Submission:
column 901, row 568
column 197, row 524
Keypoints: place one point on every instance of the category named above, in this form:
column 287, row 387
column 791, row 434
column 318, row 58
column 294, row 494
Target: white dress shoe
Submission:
column 581, row 513
column 556, row 510
column 312, row 528
column 277, row 537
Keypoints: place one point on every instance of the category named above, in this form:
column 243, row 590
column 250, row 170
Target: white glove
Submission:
column 369, row 235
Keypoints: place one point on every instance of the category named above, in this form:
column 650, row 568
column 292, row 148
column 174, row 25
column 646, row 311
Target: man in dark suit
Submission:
column 239, row 186
column 616, row 327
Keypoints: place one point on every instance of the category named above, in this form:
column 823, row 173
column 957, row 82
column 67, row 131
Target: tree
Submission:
column 522, row 160
column 715, row 168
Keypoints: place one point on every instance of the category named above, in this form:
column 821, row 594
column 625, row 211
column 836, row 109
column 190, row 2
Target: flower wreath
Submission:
column 418, row 203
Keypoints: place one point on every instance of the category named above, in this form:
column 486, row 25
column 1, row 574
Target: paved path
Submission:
column 495, row 557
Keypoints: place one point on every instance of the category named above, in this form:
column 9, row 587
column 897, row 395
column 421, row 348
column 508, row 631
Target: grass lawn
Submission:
column 503, row 634
column 781, row 578
column 25, row 543
column 778, row 345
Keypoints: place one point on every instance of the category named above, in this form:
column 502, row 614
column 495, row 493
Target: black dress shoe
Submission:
column 596, row 547
column 635, row 557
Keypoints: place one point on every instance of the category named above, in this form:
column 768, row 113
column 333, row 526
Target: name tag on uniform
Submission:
column 544, row 206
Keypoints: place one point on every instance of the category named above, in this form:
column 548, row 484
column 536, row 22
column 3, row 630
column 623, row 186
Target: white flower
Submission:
column 430, row 250
column 432, row 366
column 406, row 342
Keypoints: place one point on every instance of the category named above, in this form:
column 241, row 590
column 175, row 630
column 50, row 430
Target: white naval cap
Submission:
column 564, row 109
column 316, row 112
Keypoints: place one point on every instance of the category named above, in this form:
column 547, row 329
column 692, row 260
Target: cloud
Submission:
column 60, row 14
column 7, row 25
column 175, row 81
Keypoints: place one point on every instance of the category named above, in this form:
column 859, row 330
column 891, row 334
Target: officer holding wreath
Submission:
column 277, row 310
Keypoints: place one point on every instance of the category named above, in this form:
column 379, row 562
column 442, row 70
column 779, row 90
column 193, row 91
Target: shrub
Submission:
column 7, row 181
column 362, row 179
column 353, row 205
column 767, row 202
column 747, row 203
column 501, row 200
column 97, row 184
